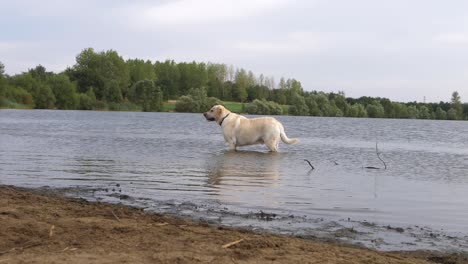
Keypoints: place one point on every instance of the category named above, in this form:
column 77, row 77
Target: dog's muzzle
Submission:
column 208, row 118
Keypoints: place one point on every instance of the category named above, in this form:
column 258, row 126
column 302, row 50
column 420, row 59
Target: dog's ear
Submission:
column 219, row 112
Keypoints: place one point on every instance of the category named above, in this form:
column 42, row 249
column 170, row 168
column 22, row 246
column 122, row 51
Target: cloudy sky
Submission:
column 405, row 50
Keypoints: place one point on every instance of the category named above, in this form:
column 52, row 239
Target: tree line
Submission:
column 105, row 81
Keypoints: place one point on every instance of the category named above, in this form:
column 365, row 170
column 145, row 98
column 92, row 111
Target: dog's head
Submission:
column 216, row 113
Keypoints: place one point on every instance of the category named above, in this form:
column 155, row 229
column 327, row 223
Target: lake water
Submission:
column 178, row 164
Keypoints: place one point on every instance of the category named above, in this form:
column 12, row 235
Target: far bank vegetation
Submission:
column 105, row 81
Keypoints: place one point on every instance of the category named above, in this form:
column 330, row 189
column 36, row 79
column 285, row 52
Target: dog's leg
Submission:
column 232, row 146
column 272, row 145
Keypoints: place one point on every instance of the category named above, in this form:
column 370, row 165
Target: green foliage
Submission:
column 400, row 110
column 6, row 103
column 457, row 106
column 251, row 108
column 298, row 105
column 192, row 75
column 168, row 107
column 124, row 106
column 264, row 107
column 168, row 78
column 3, row 83
column 186, row 104
column 64, row 91
column 413, row 112
column 87, row 101
column 196, row 101
column 19, row 96
column 140, row 70
column 452, row 114
column 210, row 102
column 375, row 110
column 234, row 107
column 44, row 98
column 424, row 113
column 112, row 92
column 148, row 95
column 103, row 80
column 106, row 71
column 440, row 114
column 242, row 84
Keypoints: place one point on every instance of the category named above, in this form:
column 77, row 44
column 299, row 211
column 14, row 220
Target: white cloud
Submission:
column 455, row 38
column 19, row 56
column 294, row 43
column 185, row 12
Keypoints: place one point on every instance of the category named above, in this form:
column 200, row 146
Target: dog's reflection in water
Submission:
column 244, row 168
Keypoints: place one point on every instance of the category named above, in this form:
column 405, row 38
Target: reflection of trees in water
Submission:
column 244, row 168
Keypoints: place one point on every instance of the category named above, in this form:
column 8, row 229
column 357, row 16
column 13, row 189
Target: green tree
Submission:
column 261, row 107
column 292, row 87
column 452, row 114
column 168, row 78
column 64, row 91
column 375, row 110
column 87, row 101
column 147, row 94
column 106, row 71
column 457, row 105
column 3, row 83
column 324, row 104
column 242, row 84
column 440, row 114
column 424, row 113
column 400, row 110
column 210, row 102
column 413, row 112
column 86, row 71
column 216, row 78
column 314, row 109
column 340, row 102
column 111, row 92
column 275, row 108
column 140, row 70
column 389, row 108
column 299, row 106
column 186, row 104
column 192, row 75
column 44, row 98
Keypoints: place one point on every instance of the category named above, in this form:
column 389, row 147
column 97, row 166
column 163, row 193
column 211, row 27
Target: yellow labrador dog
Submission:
column 241, row 131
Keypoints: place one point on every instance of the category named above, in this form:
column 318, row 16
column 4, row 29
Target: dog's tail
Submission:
column 285, row 138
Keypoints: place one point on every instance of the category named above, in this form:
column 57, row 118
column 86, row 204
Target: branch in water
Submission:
column 309, row 164
column 378, row 155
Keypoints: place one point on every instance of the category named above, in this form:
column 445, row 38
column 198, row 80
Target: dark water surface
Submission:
column 178, row 163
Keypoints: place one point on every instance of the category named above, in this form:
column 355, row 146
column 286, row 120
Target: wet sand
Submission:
column 45, row 227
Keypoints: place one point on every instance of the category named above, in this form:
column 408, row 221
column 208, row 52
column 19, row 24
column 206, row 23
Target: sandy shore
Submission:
column 43, row 227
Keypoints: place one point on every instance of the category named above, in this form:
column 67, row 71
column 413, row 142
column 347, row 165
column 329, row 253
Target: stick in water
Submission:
column 378, row 155
column 310, row 164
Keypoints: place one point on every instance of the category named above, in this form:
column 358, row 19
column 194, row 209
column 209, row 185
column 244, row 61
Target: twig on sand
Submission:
column 116, row 217
column 228, row 245
column 378, row 155
column 310, row 164
column 51, row 231
column 20, row 248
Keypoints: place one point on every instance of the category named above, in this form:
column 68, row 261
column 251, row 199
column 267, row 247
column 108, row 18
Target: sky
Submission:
column 404, row 50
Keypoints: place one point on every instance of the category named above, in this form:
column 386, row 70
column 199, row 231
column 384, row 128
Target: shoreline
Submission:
column 44, row 226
